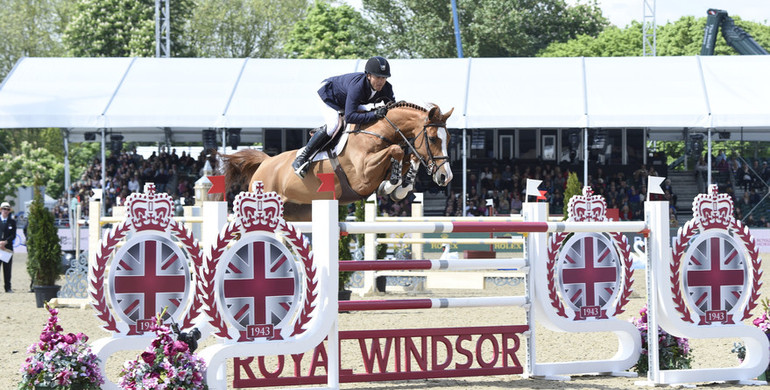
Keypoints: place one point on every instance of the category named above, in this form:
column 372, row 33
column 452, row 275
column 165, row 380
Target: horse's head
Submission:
column 429, row 140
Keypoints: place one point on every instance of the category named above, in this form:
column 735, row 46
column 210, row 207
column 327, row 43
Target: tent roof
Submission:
column 141, row 96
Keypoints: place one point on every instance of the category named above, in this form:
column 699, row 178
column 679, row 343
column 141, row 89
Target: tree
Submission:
column 123, row 28
column 50, row 139
column 30, row 28
column 681, row 38
column 242, row 28
column 43, row 245
column 573, row 188
column 331, row 32
column 489, row 28
column 82, row 156
column 19, row 170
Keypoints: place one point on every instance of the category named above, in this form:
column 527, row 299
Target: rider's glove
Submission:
column 380, row 112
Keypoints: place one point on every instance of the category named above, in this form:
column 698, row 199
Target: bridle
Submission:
column 431, row 165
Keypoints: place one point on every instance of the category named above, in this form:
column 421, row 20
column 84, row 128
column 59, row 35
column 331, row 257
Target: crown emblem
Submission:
column 149, row 210
column 587, row 207
column 713, row 209
column 258, row 210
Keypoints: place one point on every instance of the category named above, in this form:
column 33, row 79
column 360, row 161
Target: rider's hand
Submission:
column 380, row 112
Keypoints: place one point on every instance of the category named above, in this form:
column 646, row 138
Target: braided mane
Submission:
column 407, row 105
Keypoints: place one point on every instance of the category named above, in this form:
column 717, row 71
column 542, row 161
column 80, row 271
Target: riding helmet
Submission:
column 378, row 66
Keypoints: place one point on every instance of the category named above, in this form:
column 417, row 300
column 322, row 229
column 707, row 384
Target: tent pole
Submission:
column 67, row 180
column 104, row 169
column 465, row 172
column 708, row 163
column 224, row 140
column 585, row 157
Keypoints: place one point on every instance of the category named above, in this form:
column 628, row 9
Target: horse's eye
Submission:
column 434, row 140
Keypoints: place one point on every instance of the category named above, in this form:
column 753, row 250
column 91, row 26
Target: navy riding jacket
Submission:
column 348, row 91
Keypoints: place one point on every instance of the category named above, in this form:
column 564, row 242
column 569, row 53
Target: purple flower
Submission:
column 59, row 360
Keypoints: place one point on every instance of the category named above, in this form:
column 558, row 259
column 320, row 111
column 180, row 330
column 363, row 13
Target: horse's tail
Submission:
column 240, row 166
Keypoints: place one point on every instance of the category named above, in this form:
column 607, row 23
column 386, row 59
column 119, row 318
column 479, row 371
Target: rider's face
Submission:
column 377, row 82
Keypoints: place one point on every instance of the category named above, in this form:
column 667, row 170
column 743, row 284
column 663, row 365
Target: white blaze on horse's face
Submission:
column 443, row 175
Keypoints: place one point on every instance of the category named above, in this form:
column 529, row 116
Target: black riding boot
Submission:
column 301, row 163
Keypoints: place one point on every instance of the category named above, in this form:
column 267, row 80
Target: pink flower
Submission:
column 148, row 357
column 70, row 338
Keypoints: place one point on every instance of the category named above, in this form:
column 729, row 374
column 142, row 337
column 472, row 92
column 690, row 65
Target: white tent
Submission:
column 174, row 99
column 142, row 96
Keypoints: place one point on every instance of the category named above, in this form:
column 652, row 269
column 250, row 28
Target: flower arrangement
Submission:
column 168, row 363
column 673, row 352
column 60, row 360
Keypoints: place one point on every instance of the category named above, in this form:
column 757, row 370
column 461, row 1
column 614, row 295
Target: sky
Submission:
column 622, row 12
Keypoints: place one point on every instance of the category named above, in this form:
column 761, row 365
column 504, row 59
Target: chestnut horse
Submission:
column 385, row 154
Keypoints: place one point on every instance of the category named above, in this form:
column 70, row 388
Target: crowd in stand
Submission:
column 745, row 181
column 505, row 190
column 495, row 189
column 127, row 172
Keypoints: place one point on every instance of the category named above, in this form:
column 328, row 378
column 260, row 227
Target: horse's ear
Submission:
column 447, row 115
column 434, row 114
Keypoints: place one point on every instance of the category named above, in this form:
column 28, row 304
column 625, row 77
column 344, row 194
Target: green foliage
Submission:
column 43, row 247
column 19, row 170
column 573, row 188
column 31, row 28
column 82, row 155
column 122, row 28
column 673, row 352
column 683, row 37
column 344, row 249
column 489, row 28
column 50, row 139
column 242, row 28
column 331, row 32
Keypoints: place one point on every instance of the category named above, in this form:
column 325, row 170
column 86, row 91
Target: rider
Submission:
column 343, row 97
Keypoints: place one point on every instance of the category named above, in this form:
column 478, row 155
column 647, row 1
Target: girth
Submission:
column 348, row 194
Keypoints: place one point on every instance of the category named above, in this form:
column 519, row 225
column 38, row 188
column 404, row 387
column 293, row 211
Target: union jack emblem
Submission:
column 259, row 285
column 589, row 275
column 715, row 277
column 150, row 273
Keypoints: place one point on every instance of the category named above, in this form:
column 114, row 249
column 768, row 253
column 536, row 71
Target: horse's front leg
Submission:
column 408, row 183
column 388, row 186
column 376, row 166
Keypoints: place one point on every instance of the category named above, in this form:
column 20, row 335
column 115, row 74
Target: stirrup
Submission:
column 301, row 170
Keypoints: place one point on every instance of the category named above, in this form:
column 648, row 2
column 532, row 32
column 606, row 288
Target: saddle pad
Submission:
column 324, row 155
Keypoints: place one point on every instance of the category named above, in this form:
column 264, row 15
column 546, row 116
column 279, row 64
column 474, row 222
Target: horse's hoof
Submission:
column 401, row 192
column 381, row 189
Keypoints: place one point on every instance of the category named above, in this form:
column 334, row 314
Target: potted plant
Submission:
column 60, row 361
column 168, row 363
column 673, row 352
column 44, row 250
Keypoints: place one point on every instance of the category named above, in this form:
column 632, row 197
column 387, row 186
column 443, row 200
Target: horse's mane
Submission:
column 403, row 104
